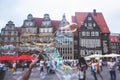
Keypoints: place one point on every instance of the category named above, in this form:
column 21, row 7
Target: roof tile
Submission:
column 81, row 16
column 114, row 39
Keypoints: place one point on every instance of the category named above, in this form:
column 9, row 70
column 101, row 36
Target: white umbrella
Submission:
column 111, row 55
column 87, row 58
column 95, row 56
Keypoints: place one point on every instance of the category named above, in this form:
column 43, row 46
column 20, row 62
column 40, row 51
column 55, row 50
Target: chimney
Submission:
column 94, row 12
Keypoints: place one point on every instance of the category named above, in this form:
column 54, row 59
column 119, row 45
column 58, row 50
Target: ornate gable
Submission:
column 63, row 22
column 29, row 22
column 10, row 26
column 80, row 17
column 46, row 21
column 90, row 24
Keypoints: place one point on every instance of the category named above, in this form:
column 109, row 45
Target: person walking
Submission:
column 41, row 66
column 23, row 66
column 111, row 65
column 82, row 66
column 3, row 70
column 119, row 64
column 48, row 66
column 96, row 69
column 14, row 67
column 101, row 64
column 93, row 69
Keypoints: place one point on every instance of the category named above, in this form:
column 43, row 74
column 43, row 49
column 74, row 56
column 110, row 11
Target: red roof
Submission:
column 19, row 29
column 81, row 16
column 114, row 39
column 72, row 27
column 38, row 21
column 55, row 23
column 73, row 18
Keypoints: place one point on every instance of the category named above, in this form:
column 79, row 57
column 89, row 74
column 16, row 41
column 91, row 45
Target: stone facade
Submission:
column 91, row 37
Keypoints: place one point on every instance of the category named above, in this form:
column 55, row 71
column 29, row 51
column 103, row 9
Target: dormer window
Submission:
column 90, row 24
column 89, row 18
column 46, row 17
column 46, row 21
column 29, row 17
column 94, row 24
column 85, row 24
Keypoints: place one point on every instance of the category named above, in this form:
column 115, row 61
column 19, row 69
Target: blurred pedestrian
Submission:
column 101, row 64
column 14, row 65
column 98, row 69
column 41, row 66
column 82, row 66
column 111, row 65
column 48, row 65
column 3, row 69
column 95, row 68
column 23, row 66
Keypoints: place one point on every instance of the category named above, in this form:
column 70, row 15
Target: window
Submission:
column 41, row 30
column 75, row 42
column 90, row 43
column 2, row 39
column 49, row 29
column 97, row 33
column 90, row 24
column 83, row 33
column 8, row 39
column 85, row 24
column 94, row 24
column 87, row 33
column 92, row 33
column 14, row 38
column 45, row 30
column 89, row 18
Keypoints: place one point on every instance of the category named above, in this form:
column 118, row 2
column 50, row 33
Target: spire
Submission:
column 63, row 21
column 64, row 17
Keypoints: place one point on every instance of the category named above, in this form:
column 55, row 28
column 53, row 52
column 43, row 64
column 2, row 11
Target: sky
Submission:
column 17, row 10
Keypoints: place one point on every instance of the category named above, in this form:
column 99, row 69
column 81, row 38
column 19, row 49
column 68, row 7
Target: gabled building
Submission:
column 28, row 33
column 115, row 44
column 45, row 29
column 65, row 40
column 93, row 33
column 10, row 35
column 37, row 31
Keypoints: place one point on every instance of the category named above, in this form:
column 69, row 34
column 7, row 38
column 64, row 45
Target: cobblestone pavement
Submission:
column 35, row 75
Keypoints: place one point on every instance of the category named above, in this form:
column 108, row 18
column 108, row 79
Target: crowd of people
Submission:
column 112, row 64
column 95, row 65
